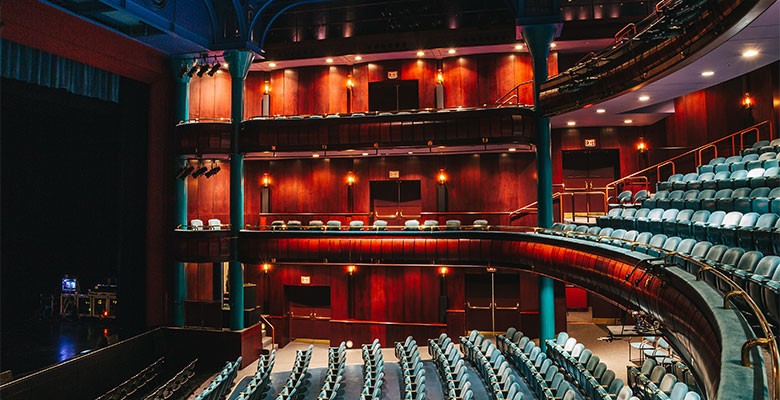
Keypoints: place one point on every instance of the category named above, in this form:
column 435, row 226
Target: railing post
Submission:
column 238, row 65
column 182, row 113
column 538, row 38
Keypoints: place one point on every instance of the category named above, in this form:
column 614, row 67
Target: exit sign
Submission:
column 394, row 174
column 590, row 142
column 305, row 280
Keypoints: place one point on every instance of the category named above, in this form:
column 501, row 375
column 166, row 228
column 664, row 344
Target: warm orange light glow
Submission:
column 747, row 101
column 443, row 271
column 350, row 178
column 642, row 145
column 351, row 269
column 267, row 87
column 266, row 267
column 266, row 180
column 350, row 82
column 439, row 76
column 442, row 177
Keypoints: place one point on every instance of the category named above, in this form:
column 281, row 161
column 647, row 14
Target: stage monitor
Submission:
column 69, row 285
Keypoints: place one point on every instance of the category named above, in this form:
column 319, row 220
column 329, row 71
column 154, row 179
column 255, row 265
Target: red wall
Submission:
column 469, row 81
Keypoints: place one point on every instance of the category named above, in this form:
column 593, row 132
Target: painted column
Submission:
column 182, row 113
column 238, row 65
column 538, row 39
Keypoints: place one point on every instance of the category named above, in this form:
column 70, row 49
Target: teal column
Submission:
column 538, row 39
column 182, row 113
column 238, row 65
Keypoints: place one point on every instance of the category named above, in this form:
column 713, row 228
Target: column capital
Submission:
column 239, row 62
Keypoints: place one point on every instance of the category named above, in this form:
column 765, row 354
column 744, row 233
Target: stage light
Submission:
column 192, row 70
column 202, row 70
column 200, row 171
column 183, row 71
column 184, row 172
column 214, row 68
column 213, row 171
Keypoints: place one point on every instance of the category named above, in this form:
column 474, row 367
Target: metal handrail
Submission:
column 514, row 92
column 208, row 119
column 623, row 32
column 273, row 329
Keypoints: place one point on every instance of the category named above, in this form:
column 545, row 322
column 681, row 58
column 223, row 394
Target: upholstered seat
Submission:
column 713, row 183
column 730, row 220
column 667, row 185
column 699, row 228
column 653, row 201
column 670, row 225
column 711, row 204
column 744, row 203
column 673, row 195
column 682, row 183
column 698, row 184
column 729, row 234
column 196, row 225
column 643, row 223
column 657, row 224
column 685, row 228
column 727, row 203
column 696, row 204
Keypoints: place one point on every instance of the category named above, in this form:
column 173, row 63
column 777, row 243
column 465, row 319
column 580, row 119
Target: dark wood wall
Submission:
column 469, row 81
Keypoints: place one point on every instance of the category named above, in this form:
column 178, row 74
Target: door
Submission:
column 309, row 310
column 396, row 201
column 587, row 171
column 479, row 296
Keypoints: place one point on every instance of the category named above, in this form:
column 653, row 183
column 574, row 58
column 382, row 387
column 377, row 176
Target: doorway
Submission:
column 396, row 201
column 586, row 172
column 479, row 296
column 309, row 310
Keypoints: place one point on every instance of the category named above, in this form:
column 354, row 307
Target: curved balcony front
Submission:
column 204, row 137
column 202, row 246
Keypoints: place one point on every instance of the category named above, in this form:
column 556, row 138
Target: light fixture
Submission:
column 628, row 121
column 266, row 181
column 349, row 344
column 316, row 155
column 184, row 172
column 350, row 178
column 439, row 76
column 272, row 64
column 644, row 98
column 203, row 69
column 213, row 171
column 215, row 67
column 193, row 70
column 442, row 177
column 512, row 149
column 351, row 269
column 642, row 145
column 451, row 51
column 200, row 171
column 601, row 111
column 443, row 271
column 364, row 154
column 358, row 58
column 518, row 47
column 750, row 53
column 183, row 71
column 571, row 123
column 266, row 267
column 707, row 73
column 350, row 82
column 420, row 53
column 328, row 60
column 267, row 87
column 553, row 45
column 747, row 101
column 410, row 153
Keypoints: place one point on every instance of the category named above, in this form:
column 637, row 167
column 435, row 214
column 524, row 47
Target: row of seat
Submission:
column 373, row 371
column 760, row 200
column 412, row 370
column 379, row 225
column 757, row 274
column 221, row 384
column 493, row 368
column 653, row 381
column 296, row 382
column 753, row 178
column 761, row 147
column 627, row 198
column 260, row 381
column 451, row 368
column 181, row 385
column 528, row 359
column 135, row 383
column 214, row 224
column 337, row 358
column 749, row 230
column 735, row 163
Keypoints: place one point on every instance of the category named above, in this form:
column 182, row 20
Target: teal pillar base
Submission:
column 236, row 279
column 182, row 113
column 179, row 293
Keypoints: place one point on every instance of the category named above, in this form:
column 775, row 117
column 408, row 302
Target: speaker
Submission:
column 250, row 295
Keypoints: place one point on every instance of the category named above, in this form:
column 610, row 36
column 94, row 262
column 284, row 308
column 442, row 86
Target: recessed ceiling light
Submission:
column 411, row 152
column 628, row 121
column 708, row 73
column 420, row 53
column 518, row 47
column 272, row 65
column 571, row 123
column 451, row 51
column 358, row 58
column 601, row 111
column 316, row 155
column 750, row 53
column 365, row 154
column 328, row 60
column 552, row 45
column 644, row 98
column 225, row 65
column 512, row 149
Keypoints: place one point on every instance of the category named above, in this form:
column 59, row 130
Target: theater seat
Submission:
column 696, row 204
column 315, row 225
column 710, row 166
column 277, row 225
column 379, row 225
column 713, row 183
column 729, row 234
column 480, row 224
column 771, row 178
column 430, row 225
column 685, row 228
column 667, row 202
column 682, row 183
column 333, row 225
column 623, row 197
column 615, row 237
column 762, row 204
column 741, row 271
column 643, row 224
column 355, row 225
column 771, row 296
column 739, row 179
column 630, row 236
column 293, row 225
column 753, row 177
column 643, row 238
column 681, row 202
column 669, row 245
column 630, row 223
column 657, row 224
column 755, row 147
column 727, row 203
column 698, row 252
column 727, row 164
column 412, row 225
column 625, row 214
column 729, row 260
column 763, row 273
column 745, row 203
column 196, row 225
column 668, row 184
column 670, row 226
column 656, row 241
column 653, row 201
column 743, row 163
column 686, row 246
column 639, row 197
column 608, row 220
column 729, row 221
column 763, row 236
column 711, row 204
column 452, row 224
column 699, row 228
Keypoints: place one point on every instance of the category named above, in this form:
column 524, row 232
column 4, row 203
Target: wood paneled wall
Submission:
column 209, row 198
column 469, row 81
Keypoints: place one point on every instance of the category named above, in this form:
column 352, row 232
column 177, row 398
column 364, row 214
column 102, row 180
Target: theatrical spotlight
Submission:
column 215, row 68
column 200, row 171
column 183, row 71
column 213, row 171
column 203, row 69
column 184, row 172
column 192, row 70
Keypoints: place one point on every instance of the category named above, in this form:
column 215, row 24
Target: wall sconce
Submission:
column 351, row 269
column 442, row 177
column 443, row 271
column 641, row 146
column 747, row 101
column 350, row 178
column 439, row 76
column 266, row 181
column 266, row 267
column 350, row 82
column 267, row 87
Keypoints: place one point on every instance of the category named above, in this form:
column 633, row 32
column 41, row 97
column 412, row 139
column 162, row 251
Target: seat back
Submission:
column 685, row 246
column 733, row 256
column 640, row 195
column 628, row 213
column 723, row 194
column 706, row 194
column 672, row 243
column 605, row 231
column 691, row 194
column 669, row 214
column 774, row 193
column 644, row 237
column 631, row 235
column 731, row 219
column 675, row 178
column 676, row 194
column 766, row 221
column 624, row 196
column 691, row 176
column 655, row 213
column 642, row 213
column 722, row 175
column 594, row 230
column 740, row 174
column 618, row 233
column 716, row 252
column 661, row 194
column 755, row 172
column 658, row 240
column 759, row 192
column 700, row 216
column 767, row 266
column 741, row 192
column 700, row 249
column 748, row 220
column 717, row 160
column 215, row 224
column 614, row 212
column 716, row 218
column 196, row 225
